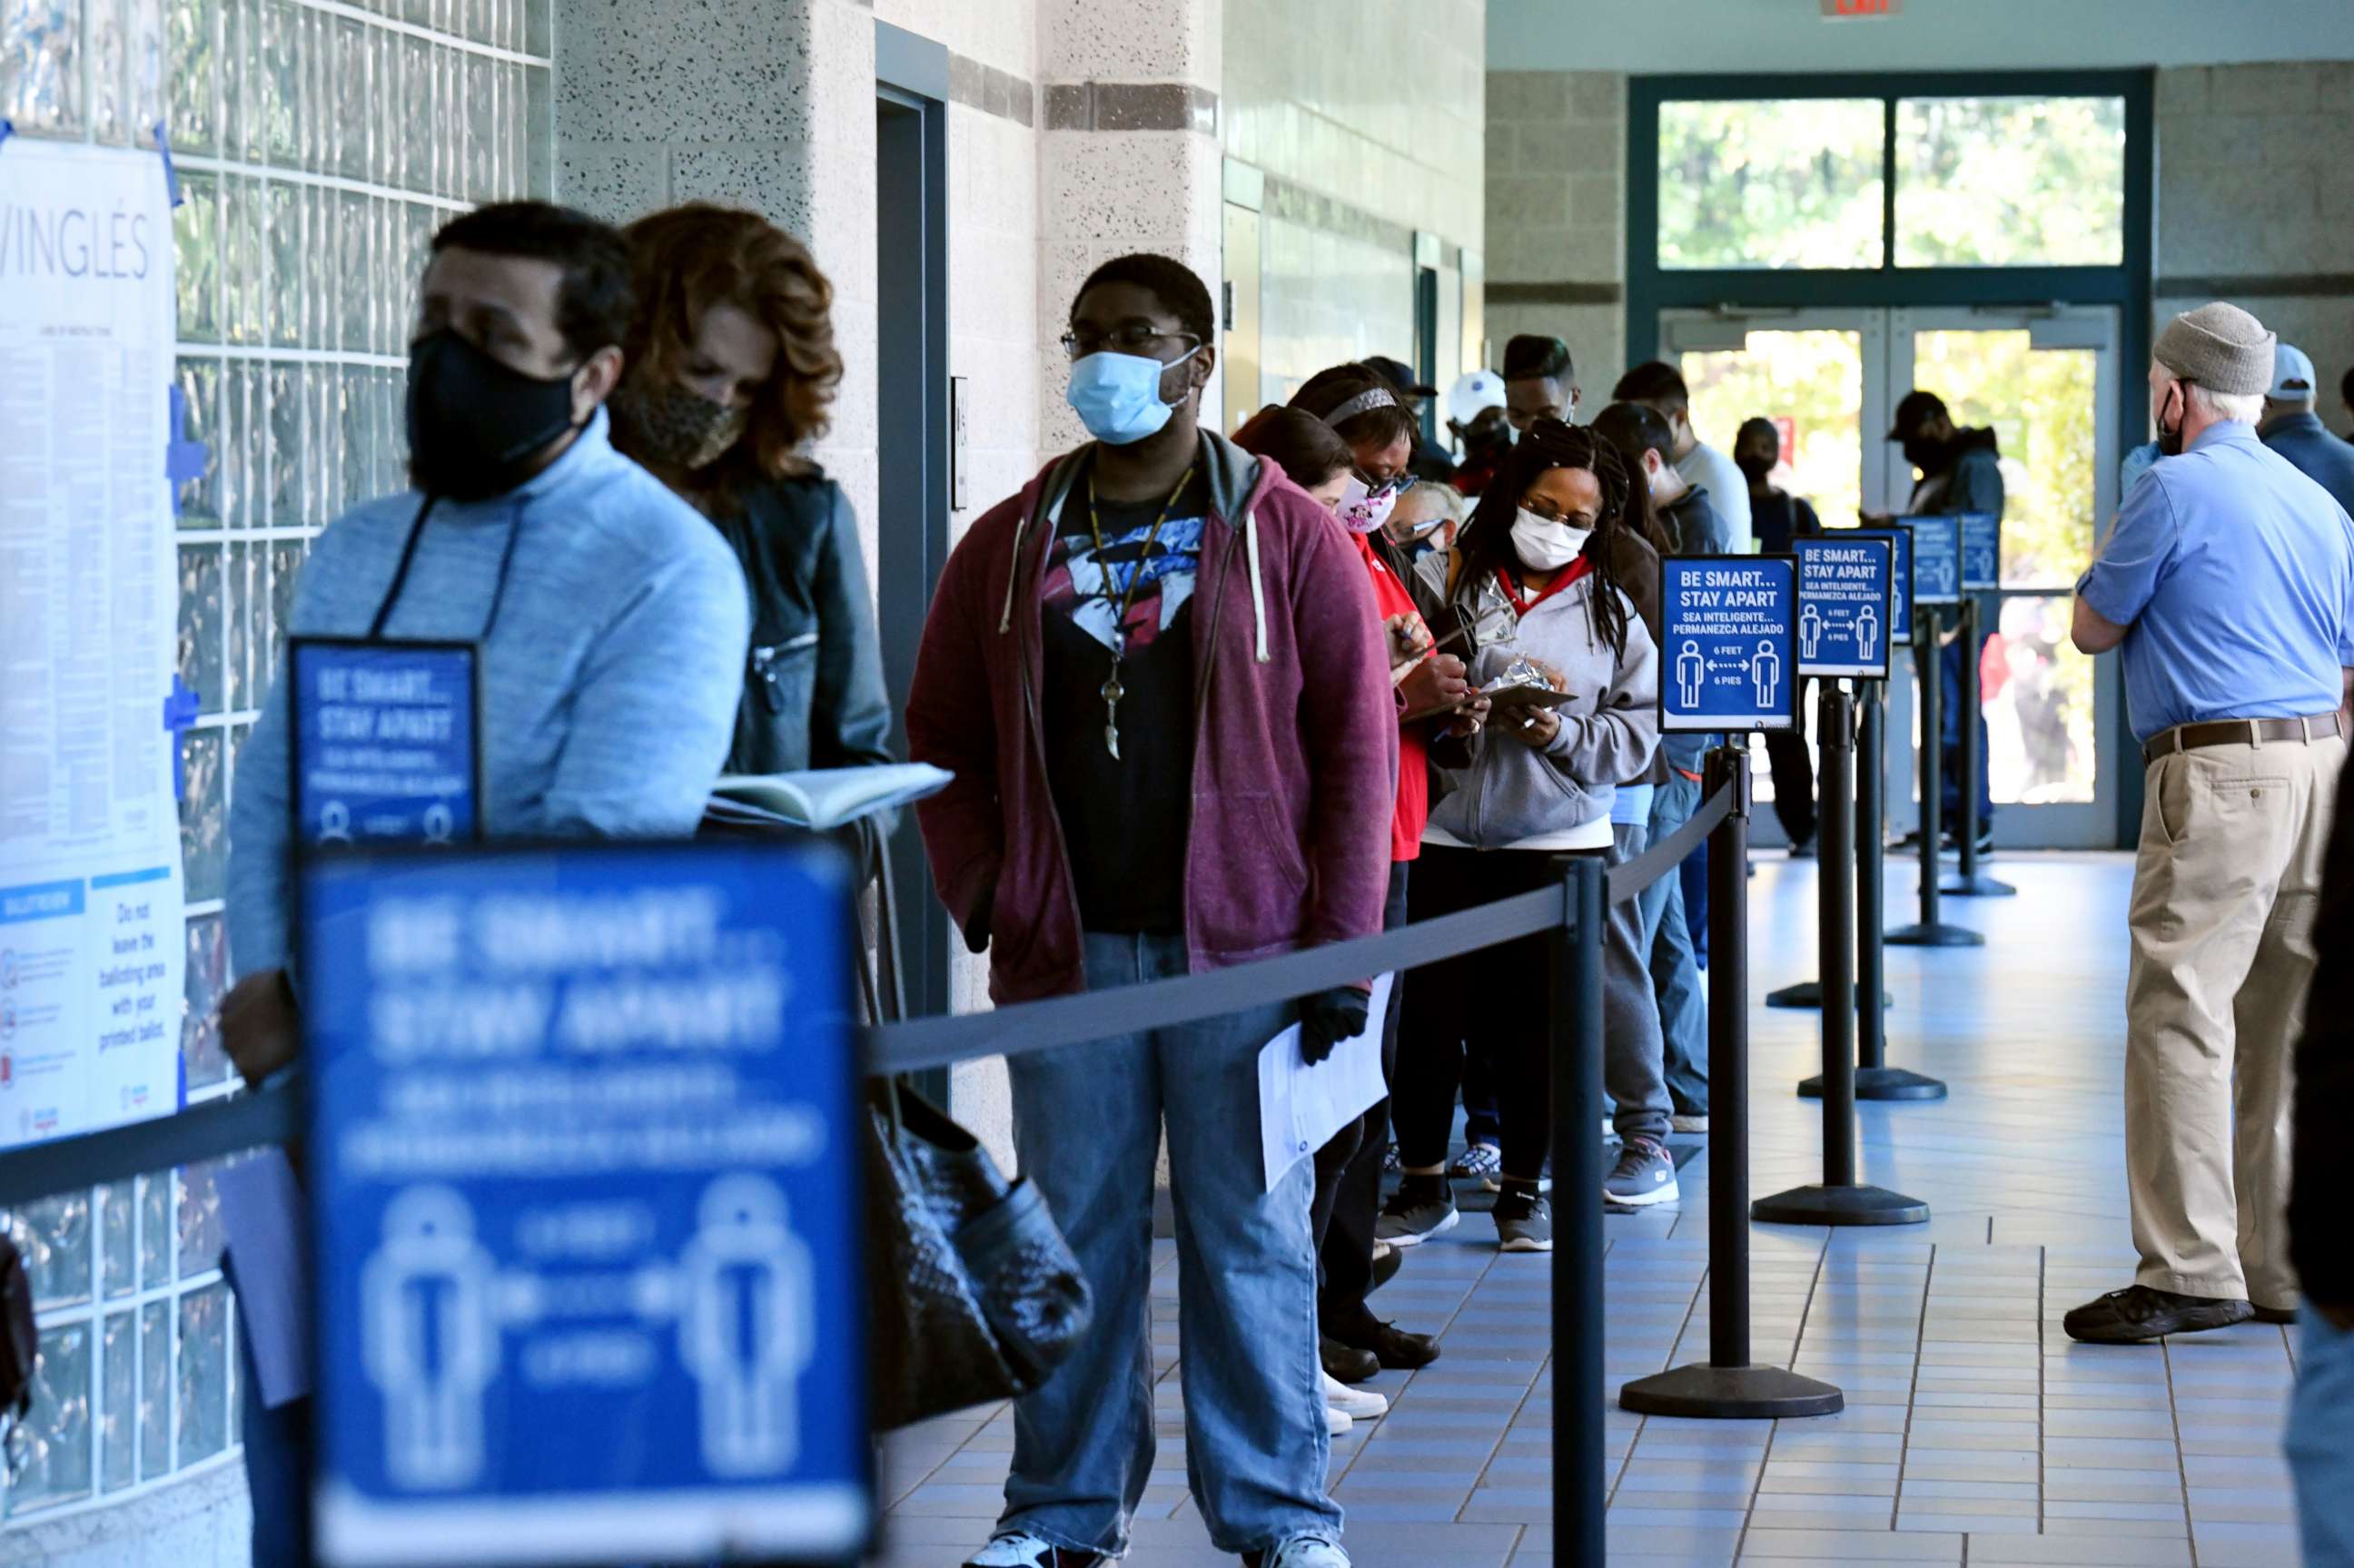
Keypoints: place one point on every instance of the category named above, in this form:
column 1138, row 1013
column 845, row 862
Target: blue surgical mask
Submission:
column 1118, row 396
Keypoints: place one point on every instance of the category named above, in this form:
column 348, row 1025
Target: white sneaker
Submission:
column 1357, row 1404
column 1019, row 1549
column 1307, row 1552
column 1337, row 1423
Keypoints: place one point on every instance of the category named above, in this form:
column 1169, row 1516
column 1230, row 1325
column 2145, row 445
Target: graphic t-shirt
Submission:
column 1125, row 818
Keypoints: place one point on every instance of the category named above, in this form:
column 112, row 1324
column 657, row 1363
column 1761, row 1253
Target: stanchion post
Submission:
column 1968, row 881
column 1839, row 1200
column 1578, row 1460
column 1932, row 930
column 1874, row 1079
column 1726, row 1385
column 1807, row 995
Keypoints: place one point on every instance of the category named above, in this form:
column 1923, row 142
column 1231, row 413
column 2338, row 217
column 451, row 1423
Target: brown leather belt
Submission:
column 2236, row 732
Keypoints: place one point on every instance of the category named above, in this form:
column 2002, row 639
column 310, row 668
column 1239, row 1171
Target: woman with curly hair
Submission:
column 1544, row 584
column 731, row 373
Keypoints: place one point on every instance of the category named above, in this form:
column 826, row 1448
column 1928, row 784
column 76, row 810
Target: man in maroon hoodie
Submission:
column 1158, row 679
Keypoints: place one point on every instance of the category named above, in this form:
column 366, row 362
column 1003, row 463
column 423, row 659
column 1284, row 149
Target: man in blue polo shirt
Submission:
column 2229, row 582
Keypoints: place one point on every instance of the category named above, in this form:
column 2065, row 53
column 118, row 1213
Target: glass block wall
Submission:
column 319, row 143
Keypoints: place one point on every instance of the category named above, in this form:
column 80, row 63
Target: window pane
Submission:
column 1813, row 382
column 2038, row 702
column 2039, row 403
column 1779, row 182
column 2009, row 182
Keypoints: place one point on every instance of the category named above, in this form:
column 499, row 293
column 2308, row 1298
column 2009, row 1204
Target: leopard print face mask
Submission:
column 677, row 428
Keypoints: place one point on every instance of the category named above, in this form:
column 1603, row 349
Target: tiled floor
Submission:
column 1974, row 1430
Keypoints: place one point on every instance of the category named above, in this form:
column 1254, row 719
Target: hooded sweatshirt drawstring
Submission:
column 1258, row 585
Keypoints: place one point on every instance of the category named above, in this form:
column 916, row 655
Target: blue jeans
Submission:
column 1086, row 1122
column 1951, row 672
column 1675, row 969
column 2321, row 1441
column 276, row 1460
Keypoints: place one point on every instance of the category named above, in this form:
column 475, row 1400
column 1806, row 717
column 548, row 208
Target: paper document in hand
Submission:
column 269, row 1249
column 825, row 798
column 1300, row 1107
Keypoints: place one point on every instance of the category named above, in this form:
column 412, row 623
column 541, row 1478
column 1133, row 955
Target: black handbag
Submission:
column 975, row 1294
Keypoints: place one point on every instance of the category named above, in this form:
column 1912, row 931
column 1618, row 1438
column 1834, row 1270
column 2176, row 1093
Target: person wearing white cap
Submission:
column 1474, row 414
column 2292, row 427
column 2228, row 580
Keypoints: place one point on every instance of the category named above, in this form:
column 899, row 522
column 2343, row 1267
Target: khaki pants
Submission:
column 2233, row 839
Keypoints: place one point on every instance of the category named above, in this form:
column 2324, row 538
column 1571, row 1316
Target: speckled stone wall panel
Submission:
column 719, row 70
column 840, row 195
column 1134, row 40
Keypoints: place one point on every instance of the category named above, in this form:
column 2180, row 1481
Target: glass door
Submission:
column 2045, row 380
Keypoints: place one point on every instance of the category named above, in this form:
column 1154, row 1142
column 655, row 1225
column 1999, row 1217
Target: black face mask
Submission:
column 1753, row 468
column 1925, row 452
column 2169, row 441
column 474, row 424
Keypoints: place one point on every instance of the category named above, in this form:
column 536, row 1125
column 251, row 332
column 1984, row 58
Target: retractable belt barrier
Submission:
column 1571, row 915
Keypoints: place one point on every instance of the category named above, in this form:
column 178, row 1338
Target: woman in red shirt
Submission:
column 1347, row 439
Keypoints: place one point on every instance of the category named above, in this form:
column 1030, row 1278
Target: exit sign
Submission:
column 1841, row 10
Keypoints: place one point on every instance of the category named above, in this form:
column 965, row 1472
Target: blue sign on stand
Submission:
column 1728, row 658
column 1843, row 604
column 1937, row 557
column 387, row 741
column 585, row 1188
column 1981, row 552
column 1900, row 578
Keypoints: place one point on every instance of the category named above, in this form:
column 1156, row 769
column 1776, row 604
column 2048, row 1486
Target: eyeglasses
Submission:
column 1396, row 484
column 1539, row 507
column 1133, row 338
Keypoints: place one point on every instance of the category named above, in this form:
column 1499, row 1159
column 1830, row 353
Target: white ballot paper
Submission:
column 1300, row 1107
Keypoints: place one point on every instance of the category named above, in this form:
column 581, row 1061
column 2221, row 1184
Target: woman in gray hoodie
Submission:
column 1535, row 580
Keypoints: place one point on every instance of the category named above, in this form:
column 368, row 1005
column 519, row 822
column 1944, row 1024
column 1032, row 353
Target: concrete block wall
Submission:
column 1556, row 216
column 2255, row 200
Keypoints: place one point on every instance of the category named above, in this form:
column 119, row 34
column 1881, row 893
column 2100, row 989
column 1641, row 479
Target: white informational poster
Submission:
column 91, row 944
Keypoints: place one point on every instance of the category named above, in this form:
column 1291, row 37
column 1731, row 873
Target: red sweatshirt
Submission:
column 1412, row 808
column 1296, row 737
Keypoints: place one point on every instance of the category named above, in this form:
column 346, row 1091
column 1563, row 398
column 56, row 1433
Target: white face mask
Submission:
column 1544, row 544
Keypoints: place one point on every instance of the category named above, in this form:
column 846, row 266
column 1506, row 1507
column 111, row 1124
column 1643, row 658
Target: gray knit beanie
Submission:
column 2222, row 347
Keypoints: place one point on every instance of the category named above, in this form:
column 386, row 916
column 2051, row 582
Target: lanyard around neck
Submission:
column 1136, row 573
column 409, row 557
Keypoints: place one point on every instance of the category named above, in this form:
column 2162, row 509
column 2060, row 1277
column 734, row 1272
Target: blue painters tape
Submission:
column 183, row 460
column 180, row 710
column 171, row 174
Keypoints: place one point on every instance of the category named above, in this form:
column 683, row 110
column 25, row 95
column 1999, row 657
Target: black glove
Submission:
column 1328, row 1018
column 976, row 929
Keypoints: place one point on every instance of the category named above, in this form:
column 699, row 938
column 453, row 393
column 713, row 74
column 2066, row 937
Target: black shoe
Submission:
column 2275, row 1314
column 1396, row 1350
column 1388, row 1258
column 1803, row 849
column 1346, row 1364
column 2139, row 1313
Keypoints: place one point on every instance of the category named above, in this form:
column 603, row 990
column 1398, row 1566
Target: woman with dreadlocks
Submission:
column 1541, row 579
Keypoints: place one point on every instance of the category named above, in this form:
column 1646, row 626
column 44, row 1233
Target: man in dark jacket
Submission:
column 1160, row 680
column 2321, row 1413
column 2291, row 428
column 1961, row 471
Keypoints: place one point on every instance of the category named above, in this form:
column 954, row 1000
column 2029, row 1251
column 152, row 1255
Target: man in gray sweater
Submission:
column 609, row 620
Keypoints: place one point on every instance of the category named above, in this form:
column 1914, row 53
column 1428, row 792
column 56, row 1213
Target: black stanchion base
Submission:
column 1731, row 1394
column 1938, row 936
column 1977, row 885
column 1808, row 995
column 1883, row 1083
column 1818, row 1205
